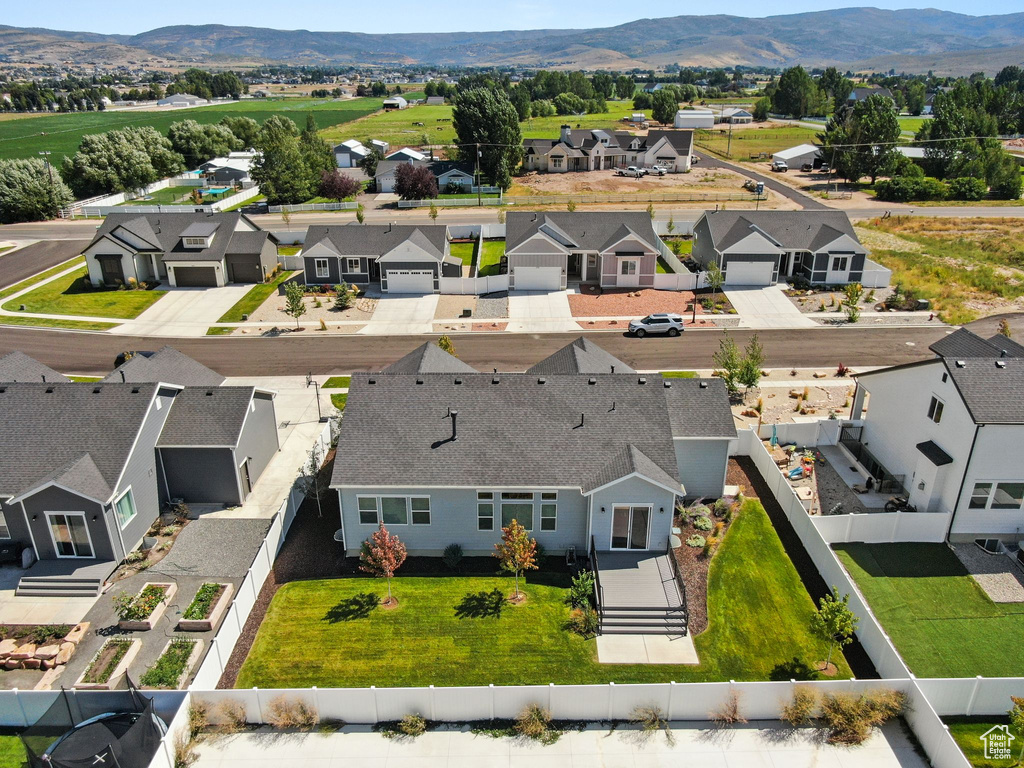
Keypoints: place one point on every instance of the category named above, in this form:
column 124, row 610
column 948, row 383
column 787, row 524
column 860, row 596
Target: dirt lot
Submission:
column 272, row 311
column 595, row 302
column 697, row 180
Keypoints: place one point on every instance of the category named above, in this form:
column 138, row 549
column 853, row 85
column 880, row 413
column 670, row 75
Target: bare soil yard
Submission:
column 272, row 310
column 698, row 180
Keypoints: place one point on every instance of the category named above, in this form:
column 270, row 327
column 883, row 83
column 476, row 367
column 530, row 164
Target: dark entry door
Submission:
column 110, row 268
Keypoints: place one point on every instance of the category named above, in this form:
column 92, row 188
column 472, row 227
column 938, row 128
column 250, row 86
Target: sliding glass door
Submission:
column 70, row 534
column 630, row 527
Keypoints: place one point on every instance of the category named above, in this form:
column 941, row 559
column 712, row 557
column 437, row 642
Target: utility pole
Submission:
column 49, row 173
column 728, row 149
column 476, row 175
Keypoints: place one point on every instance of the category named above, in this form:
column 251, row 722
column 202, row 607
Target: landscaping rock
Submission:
column 47, row 663
column 7, row 647
column 12, row 664
column 32, row 663
column 75, row 635
column 48, row 679
column 47, row 651
column 820, row 375
column 67, row 650
column 26, row 651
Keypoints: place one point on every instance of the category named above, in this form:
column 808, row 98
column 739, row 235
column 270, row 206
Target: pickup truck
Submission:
column 656, row 170
column 631, row 171
column 780, row 165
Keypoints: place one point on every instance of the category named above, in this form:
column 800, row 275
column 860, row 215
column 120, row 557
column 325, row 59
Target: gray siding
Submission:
column 16, row 524
column 633, row 491
column 259, row 436
column 201, row 475
column 268, row 257
column 703, row 247
column 453, row 519
column 702, row 466
column 55, row 499
column 309, row 264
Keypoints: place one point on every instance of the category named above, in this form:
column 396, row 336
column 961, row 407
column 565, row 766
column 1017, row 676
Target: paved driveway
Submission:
column 402, row 314
column 767, row 307
column 184, row 311
column 540, row 312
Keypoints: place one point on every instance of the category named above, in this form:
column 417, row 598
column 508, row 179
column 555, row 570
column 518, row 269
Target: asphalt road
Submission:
column 804, row 201
column 94, row 353
column 36, row 257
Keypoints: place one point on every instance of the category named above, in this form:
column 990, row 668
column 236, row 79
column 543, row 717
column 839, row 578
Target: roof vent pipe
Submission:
column 44, row 378
column 123, row 379
column 613, row 369
column 455, row 433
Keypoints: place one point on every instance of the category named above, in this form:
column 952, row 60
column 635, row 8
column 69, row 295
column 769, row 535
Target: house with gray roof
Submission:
column 85, row 468
column 578, row 448
column 17, row 366
column 951, row 429
column 194, row 249
column 584, row 149
column 404, row 258
column 756, row 248
column 547, row 250
column 168, row 365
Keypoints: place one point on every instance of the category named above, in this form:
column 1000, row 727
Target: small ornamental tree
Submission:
column 750, row 366
column 834, row 622
column 714, row 278
column 335, row 185
column 853, row 292
column 728, row 360
column 294, row 306
column 311, row 479
column 415, row 182
column 382, row 554
column 517, row 552
column 445, row 342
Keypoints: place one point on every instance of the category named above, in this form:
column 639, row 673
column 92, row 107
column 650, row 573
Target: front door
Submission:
column 575, row 262
column 629, row 273
column 110, row 268
column 243, row 471
column 630, row 527
column 70, row 534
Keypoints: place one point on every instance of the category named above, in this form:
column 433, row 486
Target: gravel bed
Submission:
column 451, row 306
column 997, row 575
column 879, row 318
column 492, row 306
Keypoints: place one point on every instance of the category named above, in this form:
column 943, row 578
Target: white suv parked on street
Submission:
column 670, row 325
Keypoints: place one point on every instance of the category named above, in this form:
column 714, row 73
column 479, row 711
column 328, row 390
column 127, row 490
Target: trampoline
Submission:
column 126, row 737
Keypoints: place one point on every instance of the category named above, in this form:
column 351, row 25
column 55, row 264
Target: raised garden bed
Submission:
column 206, row 608
column 171, row 670
column 109, row 665
column 143, row 611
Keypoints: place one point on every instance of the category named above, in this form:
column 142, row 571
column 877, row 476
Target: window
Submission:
column 840, row 263
column 935, row 410
column 352, row 265
column 517, row 506
column 420, row 510
column 548, row 511
column 394, row 510
column 485, row 511
column 367, row 510
column 628, row 267
column 1008, row 496
column 979, row 496
column 5, row 532
column 124, row 509
column 322, row 270
column 556, row 162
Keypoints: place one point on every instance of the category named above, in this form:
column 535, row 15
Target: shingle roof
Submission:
column 630, row 460
column 580, row 356
column 206, row 416
column 248, row 242
column 586, row 230
column 429, row 358
column 165, row 230
column 512, row 432
column 792, row 230
column 376, row 239
column 49, row 430
column 17, row 366
column 168, row 365
column 700, row 408
column 385, row 166
column 992, row 388
column 681, row 141
column 962, row 343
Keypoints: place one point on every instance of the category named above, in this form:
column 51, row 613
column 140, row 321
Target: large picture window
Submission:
column 124, row 508
column 518, row 506
column 1003, row 496
column 394, row 510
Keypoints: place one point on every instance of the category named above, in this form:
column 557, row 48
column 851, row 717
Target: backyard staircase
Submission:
column 64, row 578
column 643, row 621
column 638, row 593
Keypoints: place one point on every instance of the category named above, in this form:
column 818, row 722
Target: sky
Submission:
column 132, row 16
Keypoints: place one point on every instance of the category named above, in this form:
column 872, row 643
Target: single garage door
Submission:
column 244, row 268
column 749, row 273
column 410, row 281
column 203, row 277
column 537, row 278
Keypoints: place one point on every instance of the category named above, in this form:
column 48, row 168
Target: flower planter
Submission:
column 114, row 678
column 217, row 610
column 141, row 625
column 193, row 658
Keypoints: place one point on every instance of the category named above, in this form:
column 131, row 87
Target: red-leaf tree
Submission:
column 335, row 185
column 382, row 554
column 517, row 551
column 415, row 182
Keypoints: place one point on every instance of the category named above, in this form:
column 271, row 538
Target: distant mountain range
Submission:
column 912, row 40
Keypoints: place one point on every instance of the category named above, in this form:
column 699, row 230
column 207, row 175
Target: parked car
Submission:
column 694, row 159
column 779, row 166
column 656, row 170
column 807, row 167
column 825, row 168
column 669, row 324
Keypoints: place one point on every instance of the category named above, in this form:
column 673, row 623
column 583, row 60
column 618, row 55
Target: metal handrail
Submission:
column 598, row 589
column 675, row 572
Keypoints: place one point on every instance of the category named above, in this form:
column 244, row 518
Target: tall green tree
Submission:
column 798, row 95
column 861, row 140
column 121, row 160
column 199, row 143
column 665, row 106
column 244, row 128
column 29, row 193
column 485, row 120
column 315, row 151
column 836, row 86
column 280, row 169
column 729, row 362
column 915, row 97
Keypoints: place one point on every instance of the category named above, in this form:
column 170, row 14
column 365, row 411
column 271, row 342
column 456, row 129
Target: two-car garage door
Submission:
column 537, row 278
column 410, row 281
column 195, row 277
column 749, row 273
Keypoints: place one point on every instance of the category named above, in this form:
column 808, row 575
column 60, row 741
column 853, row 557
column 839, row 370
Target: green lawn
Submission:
column 490, row 258
column 967, row 731
column 72, row 295
column 464, row 251
column 337, row 382
column 338, row 400
column 912, row 123
column 288, row 250
column 28, row 282
column 754, row 140
column 399, row 128
column 12, row 750
column 456, row 631
column 662, row 268
column 252, row 300
column 244, row 203
column 940, row 620
column 219, row 330
column 680, row 374
column 75, row 325
column 165, row 196
column 61, row 134
column 549, row 127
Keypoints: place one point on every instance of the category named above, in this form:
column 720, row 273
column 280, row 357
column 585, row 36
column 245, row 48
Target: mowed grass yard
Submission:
column 465, row 251
column 458, row 630
column 72, row 295
column 62, row 133
column 967, row 731
column 12, row 750
column 490, row 257
column 940, row 620
column 968, row 268
column 398, row 127
column 752, row 139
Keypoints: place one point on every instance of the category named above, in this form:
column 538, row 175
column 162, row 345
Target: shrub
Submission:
column 582, row 589
column 721, row 506
column 697, row 510
column 184, row 755
column 800, row 711
column 967, row 188
column 583, row 621
column 232, row 713
column 650, row 719
column 905, row 189
column 710, row 545
column 452, row 556
column 696, row 541
column 533, row 722
column 45, row 633
column 413, row 725
column 842, row 371
column 729, row 712
column 702, row 523
column 849, row 719
column 342, row 297
column 285, row 713
column 198, row 717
